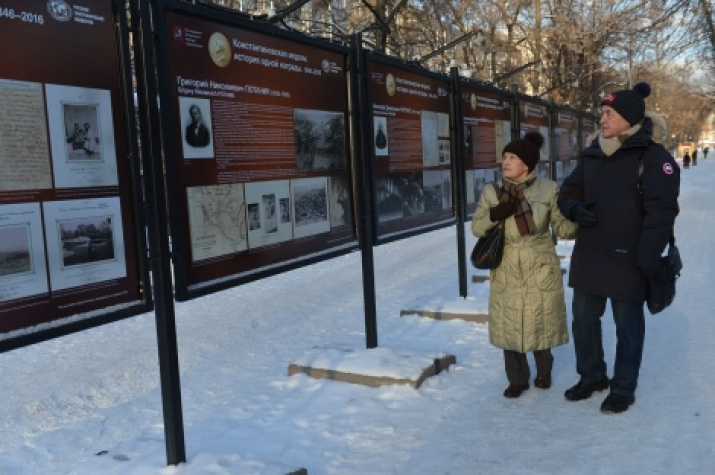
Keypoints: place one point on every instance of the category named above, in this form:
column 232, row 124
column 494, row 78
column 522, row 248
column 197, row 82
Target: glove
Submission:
column 583, row 215
column 502, row 211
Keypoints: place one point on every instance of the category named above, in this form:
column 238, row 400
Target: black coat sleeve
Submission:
column 571, row 192
column 660, row 185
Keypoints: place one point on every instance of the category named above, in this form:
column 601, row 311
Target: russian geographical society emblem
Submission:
column 220, row 49
column 59, row 10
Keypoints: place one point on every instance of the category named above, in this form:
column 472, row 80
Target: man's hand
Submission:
column 582, row 214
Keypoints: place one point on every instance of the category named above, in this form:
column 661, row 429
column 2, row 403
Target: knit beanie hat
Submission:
column 629, row 103
column 526, row 148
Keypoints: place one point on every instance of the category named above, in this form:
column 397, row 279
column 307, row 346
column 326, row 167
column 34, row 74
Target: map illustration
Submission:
column 217, row 220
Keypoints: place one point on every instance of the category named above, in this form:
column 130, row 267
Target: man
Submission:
column 625, row 221
column 197, row 134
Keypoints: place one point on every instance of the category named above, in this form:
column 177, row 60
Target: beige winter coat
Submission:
column 527, row 311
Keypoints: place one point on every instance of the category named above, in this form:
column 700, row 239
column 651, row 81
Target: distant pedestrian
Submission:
column 695, row 157
column 686, row 160
column 705, row 153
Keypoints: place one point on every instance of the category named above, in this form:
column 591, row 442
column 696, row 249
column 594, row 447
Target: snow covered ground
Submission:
column 90, row 403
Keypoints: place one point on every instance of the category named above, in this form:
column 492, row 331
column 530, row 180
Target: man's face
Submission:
column 612, row 123
column 195, row 114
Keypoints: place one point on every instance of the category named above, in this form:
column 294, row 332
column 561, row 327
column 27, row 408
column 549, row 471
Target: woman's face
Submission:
column 513, row 168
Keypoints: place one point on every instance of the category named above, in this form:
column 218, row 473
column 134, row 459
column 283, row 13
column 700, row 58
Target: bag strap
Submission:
column 641, row 168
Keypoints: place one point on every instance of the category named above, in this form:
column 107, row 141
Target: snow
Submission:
column 90, row 403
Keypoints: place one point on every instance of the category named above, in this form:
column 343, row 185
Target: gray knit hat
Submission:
column 629, row 103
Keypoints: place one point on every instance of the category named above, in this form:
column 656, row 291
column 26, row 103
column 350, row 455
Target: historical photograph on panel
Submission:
column 546, row 147
column 81, row 131
column 217, row 220
column 380, row 139
column 285, row 210
column 15, row 250
column 444, row 152
column 339, row 201
column 443, row 138
column 22, row 256
column 24, row 146
column 469, row 186
column 196, row 127
column 81, row 136
column 254, row 216
column 559, row 171
column 543, row 170
column 446, row 189
column 437, row 190
column 267, row 223
column 573, row 140
column 502, row 136
column 480, row 179
column 319, row 140
column 469, row 143
column 399, row 196
column 430, row 141
column 85, row 242
column 310, row 206
column 270, row 213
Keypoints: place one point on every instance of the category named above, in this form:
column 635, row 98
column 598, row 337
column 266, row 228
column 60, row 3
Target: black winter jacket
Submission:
column 633, row 227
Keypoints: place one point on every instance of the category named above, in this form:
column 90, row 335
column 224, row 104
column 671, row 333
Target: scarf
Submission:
column 611, row 145
column 511, row 191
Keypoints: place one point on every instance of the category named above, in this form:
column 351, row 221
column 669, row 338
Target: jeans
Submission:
column 588, row 341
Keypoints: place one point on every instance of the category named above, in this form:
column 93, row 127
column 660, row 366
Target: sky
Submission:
column 90, row 402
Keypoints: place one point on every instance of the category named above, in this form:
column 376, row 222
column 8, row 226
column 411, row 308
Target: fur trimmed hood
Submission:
column 660, row 129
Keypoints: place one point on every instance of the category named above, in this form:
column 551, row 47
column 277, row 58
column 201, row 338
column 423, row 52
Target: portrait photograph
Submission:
column 381, row 138
column 285, row 210
column 339, row 202
column 82, row 132
column 81, row 136
column 267, row 223
column 196, row 133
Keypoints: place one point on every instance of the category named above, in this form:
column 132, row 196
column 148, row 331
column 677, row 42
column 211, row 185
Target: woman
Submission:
column 527, row 311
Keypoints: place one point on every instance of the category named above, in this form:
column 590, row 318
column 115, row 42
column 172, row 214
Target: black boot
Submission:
column 617, row 403
column 515, row 390
column 583, row 390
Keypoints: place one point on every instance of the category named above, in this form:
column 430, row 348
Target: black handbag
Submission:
column 488, row 250
column 661, row 289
